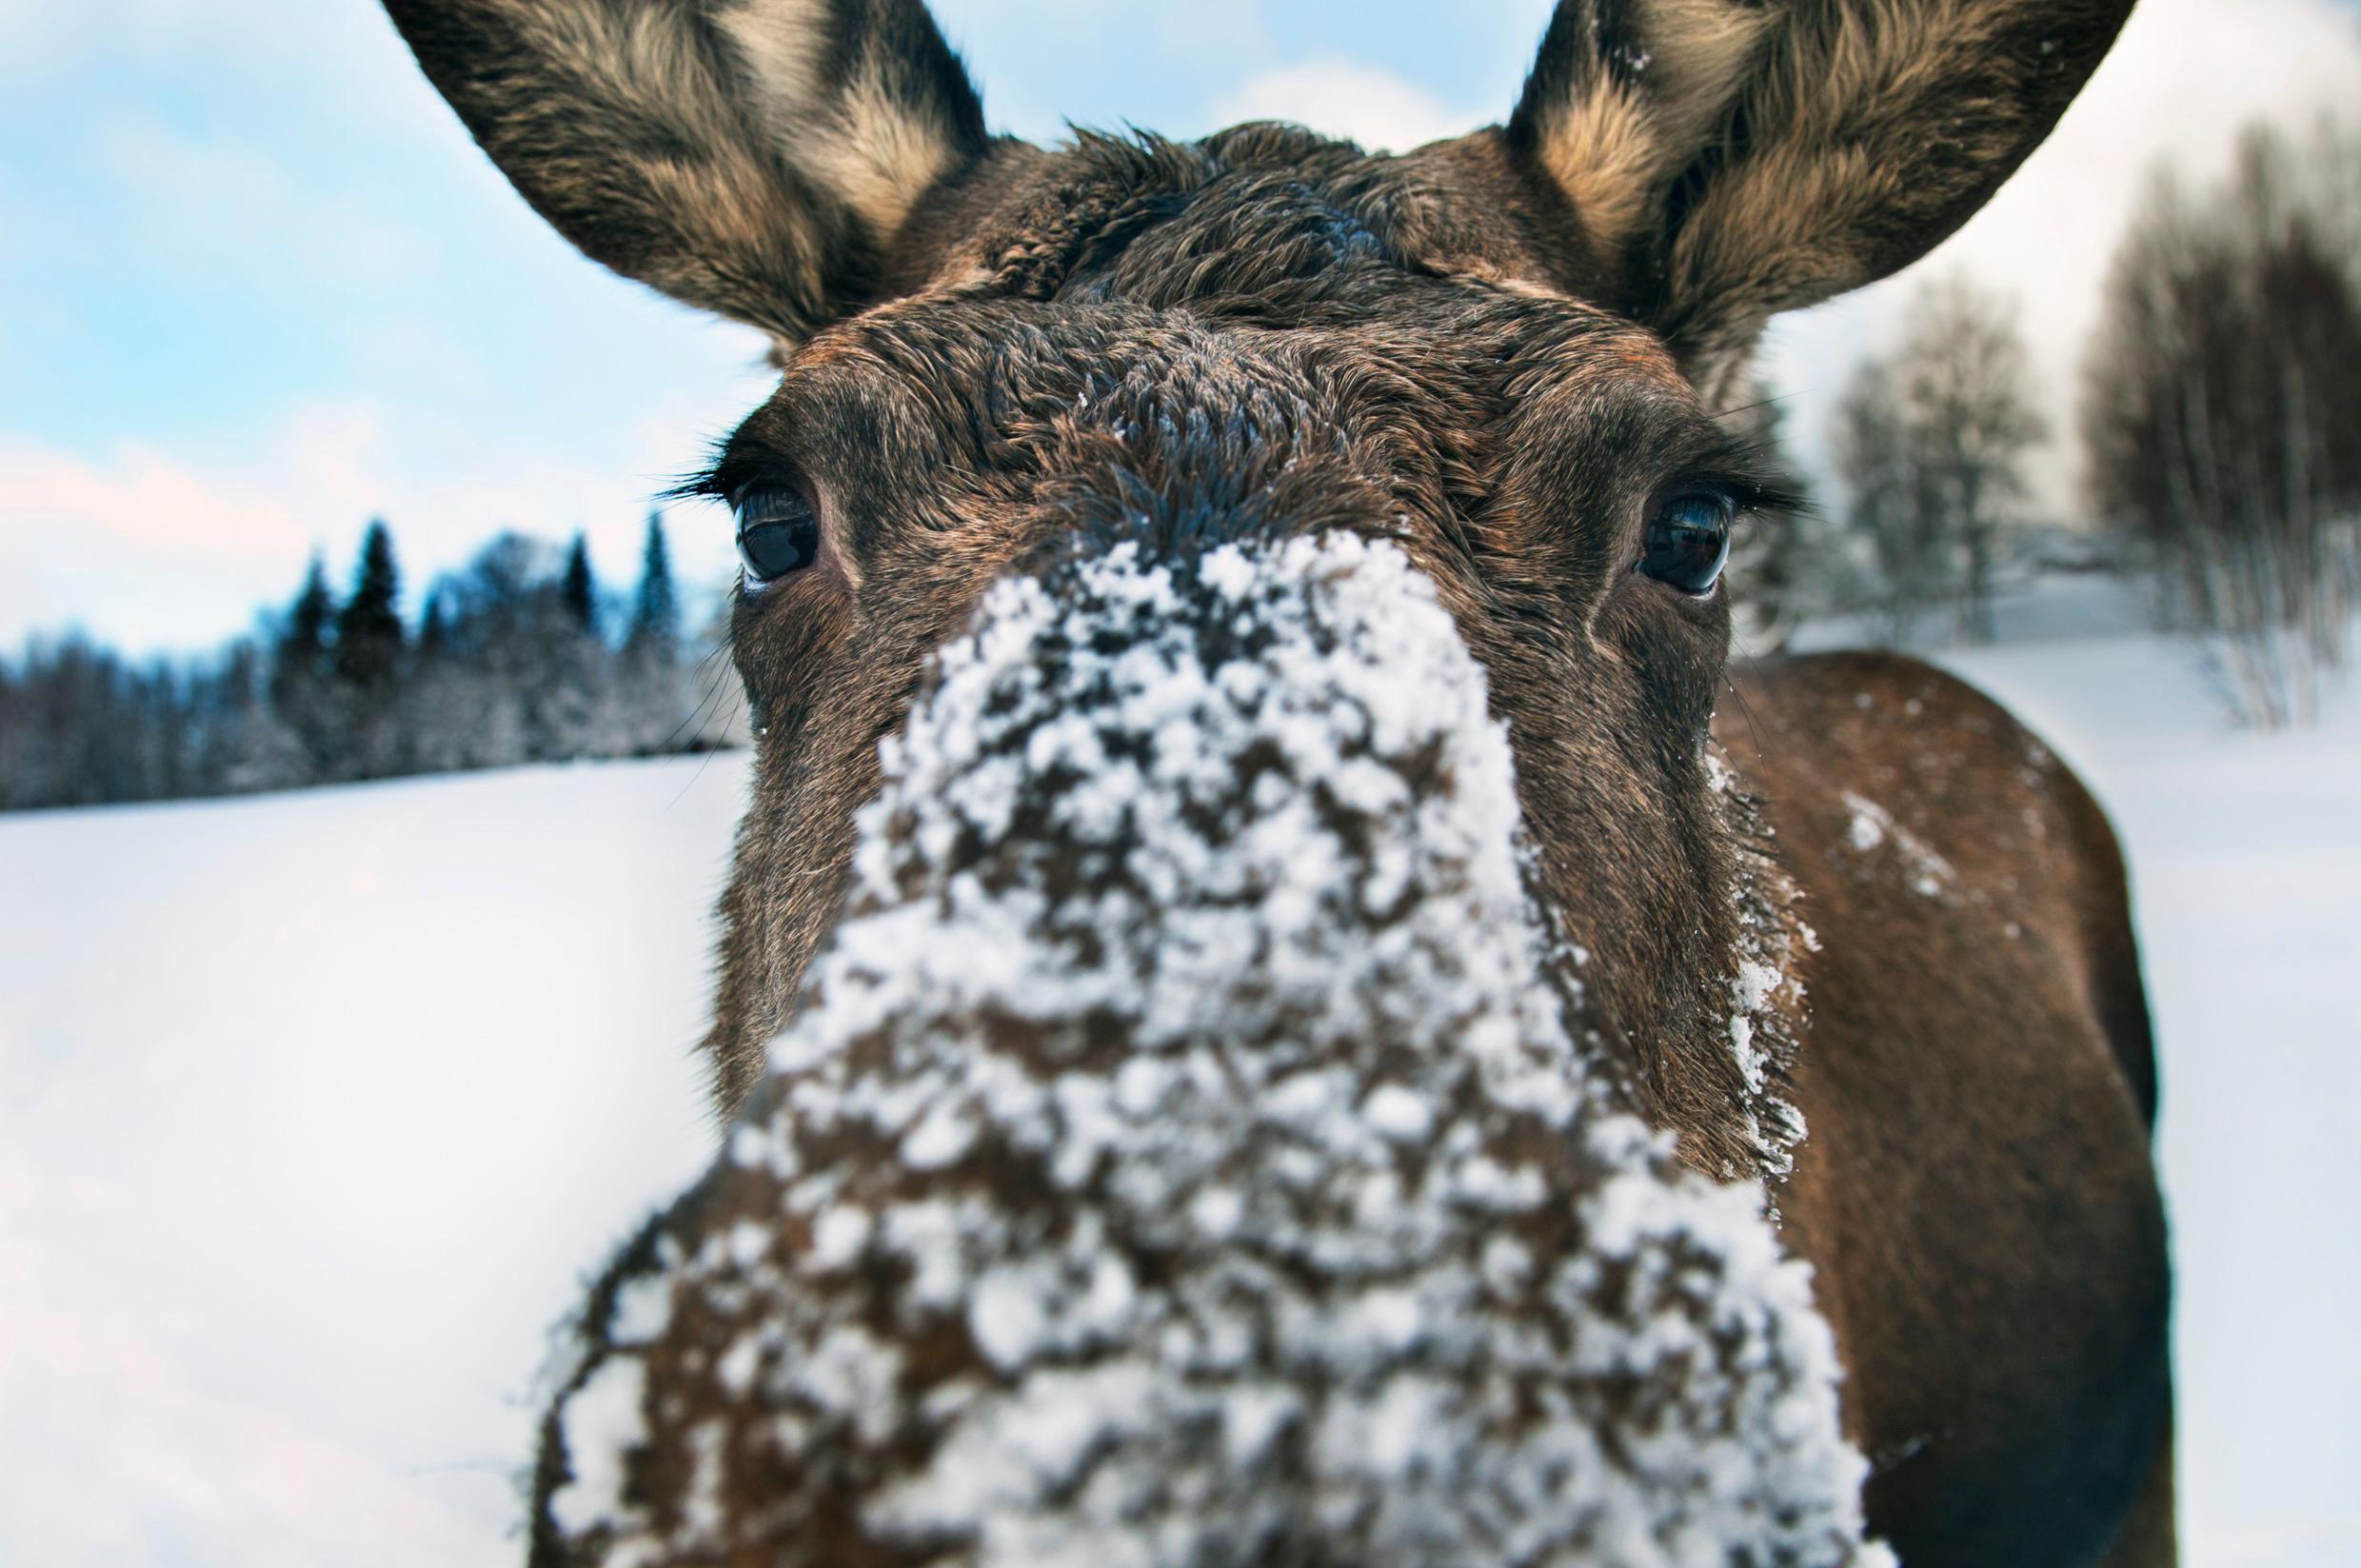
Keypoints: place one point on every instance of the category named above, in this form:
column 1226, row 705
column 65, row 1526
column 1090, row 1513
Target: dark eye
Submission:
column 777, row 536
column 1688, row 541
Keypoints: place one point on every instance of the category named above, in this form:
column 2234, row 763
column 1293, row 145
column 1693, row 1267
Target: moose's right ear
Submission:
column 749, row 157
column 1729, row 159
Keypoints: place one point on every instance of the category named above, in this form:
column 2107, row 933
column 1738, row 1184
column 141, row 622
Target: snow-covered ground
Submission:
column 313, row 1110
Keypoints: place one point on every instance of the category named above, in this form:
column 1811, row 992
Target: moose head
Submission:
column 1506, row 353
column 1265, row 404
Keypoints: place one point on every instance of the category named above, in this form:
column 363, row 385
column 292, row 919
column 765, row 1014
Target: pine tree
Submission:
column 655, row 689
column 579, row 589
column 301, row 650
column 368, row 630
column 579, row 711
column 299, row 660
column 656, row 610
column 366, row 667
column 251, row 747
column 435, row 629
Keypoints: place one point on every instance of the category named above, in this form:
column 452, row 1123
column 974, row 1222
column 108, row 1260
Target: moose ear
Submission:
column 1729, row 159
column 751, row 157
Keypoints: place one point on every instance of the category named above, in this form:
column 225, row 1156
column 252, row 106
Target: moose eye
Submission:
column 778, row 535
column 1688, row 542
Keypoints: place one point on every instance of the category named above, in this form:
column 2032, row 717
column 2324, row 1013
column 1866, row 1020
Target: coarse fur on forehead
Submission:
column 1266, row 330
column 1263, row 247
column 1264, row 316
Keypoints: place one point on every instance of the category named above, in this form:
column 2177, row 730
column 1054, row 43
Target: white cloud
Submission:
column 163, row 553
column 154, row 548
column 1363, row 103
column 283, row 293
column 2184, row 78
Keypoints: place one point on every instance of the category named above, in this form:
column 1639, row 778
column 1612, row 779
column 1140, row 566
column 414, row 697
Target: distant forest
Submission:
column 520, row 657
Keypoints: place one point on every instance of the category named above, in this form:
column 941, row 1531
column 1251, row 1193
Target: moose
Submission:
column 1282, row 999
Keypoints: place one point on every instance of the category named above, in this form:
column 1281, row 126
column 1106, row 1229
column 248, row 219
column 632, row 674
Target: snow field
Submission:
column 314, row 1109
column 304, row 1145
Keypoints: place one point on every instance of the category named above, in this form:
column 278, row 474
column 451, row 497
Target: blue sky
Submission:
column 256, row 286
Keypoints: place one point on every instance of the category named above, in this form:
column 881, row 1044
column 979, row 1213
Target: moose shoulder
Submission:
column 1980, row 1086
column 1093, row 479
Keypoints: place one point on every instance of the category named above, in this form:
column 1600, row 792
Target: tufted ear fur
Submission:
column 751, row 157
column 1729, row 159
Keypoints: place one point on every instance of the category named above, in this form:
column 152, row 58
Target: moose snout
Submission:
column 1182, row 1145
column 1205, row 776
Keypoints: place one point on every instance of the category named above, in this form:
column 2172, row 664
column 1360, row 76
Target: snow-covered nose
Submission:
column 1183, row 1158
column 1256, row 782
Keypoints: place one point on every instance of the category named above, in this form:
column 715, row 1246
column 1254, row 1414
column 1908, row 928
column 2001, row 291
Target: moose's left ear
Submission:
column 755, row 158
column 1730, row 159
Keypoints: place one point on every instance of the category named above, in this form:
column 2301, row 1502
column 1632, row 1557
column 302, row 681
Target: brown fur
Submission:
column 1497, row 350
column 1978, row 1082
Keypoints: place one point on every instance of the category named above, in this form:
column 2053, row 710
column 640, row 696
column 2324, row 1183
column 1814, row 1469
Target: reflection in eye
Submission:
column 1688, row 543
column 778, row 535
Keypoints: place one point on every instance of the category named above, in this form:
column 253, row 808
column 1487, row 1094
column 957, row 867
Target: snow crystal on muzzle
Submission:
column 1182, row 1157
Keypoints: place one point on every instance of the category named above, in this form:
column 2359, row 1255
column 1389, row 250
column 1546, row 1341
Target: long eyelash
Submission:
column 741, row 462
column 710, row 483
column 1749, row 493
column 703, row 485
column 1746, row 470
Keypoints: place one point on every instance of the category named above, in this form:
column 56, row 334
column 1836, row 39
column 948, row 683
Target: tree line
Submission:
column 520, row 657
column 2220, row 419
